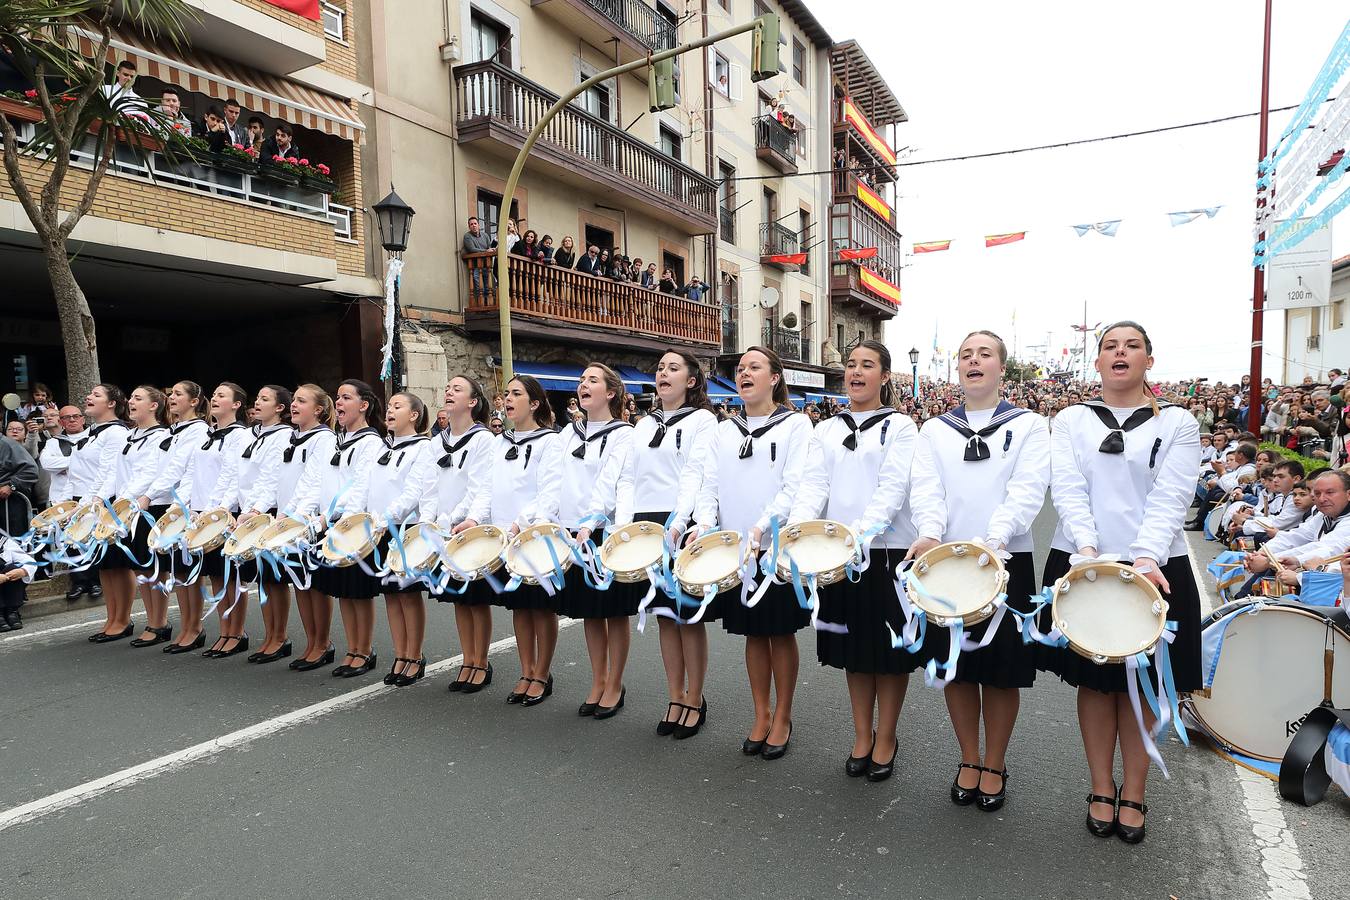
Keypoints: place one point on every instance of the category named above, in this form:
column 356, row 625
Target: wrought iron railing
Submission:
column 787, row 344
column 775, row 239
column 639, row 20
column 773, row 134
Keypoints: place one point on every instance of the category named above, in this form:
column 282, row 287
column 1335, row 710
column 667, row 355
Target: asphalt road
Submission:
column 248, row 785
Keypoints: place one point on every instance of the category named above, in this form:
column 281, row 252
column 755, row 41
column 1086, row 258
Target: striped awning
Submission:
column 257, row 92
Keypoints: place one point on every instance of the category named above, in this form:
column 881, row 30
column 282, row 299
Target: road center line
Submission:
column 35, row 809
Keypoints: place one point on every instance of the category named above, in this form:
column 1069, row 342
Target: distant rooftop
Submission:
column 864, row 84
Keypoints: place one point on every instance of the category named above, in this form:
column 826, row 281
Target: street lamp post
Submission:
column 914, row 367
column 394, row 219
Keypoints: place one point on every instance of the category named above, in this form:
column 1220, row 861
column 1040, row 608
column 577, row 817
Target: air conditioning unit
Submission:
column 1315, row 342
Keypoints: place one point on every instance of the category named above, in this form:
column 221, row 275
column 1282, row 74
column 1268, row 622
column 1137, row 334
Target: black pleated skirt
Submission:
column 1183, row 608
column 479, row 593
column 777, row 613
column 136, row 555
column 578, row 600
column 1007, row 662
column 527, row 596
column 352, row 582
column 870, row 609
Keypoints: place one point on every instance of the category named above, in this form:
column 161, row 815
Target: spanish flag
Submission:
column 873, row 201
column 932, row 246
column 879, row 286
column 997, row 240
column 848, row 254
column 855, row 118
column 787, row 259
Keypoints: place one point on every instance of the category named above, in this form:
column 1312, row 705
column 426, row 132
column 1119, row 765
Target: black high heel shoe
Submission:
column 609, row 712
column 517, row 696
column 666, row 726
column 752, row 747
column 470, row 687
column 856, row 766
column 588, row 708
column 991, row 802
column 458, row 684
column 1102, row 827
column 280, row 653
column 964, row 796
column 881, row 771
column 404, row 679
column 241, row 644
column 1130, row 834
column 527, row 700
column 776, row 751
column 683, row 731
column 392, row 676
column 306, row 665
column 198, row 642
column 161, row 635
column 104, row 638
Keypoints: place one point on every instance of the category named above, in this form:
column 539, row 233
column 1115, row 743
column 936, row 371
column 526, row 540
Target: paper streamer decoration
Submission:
column 1190, row 215
column 932, row 246
column 390, row 285
column 1106, row 229
column 998, row 240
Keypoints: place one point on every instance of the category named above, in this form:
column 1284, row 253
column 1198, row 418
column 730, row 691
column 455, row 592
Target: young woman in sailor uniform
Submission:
column 1123, row 474
column 594, row 451
column 188, row 431
column 460, row 464
column 665, row 464
column 215, row 476
column 980, row 473
column 304, row 479
column 526, row 476
column 752, row 471
column 360, row 444
column 394, row 499
column 255, row 492
column 858, row 473
column 94, row 459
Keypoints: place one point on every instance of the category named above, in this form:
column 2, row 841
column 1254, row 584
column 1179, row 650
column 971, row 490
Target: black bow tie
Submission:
column 1114, row 442
column 258, row 438
column 448, row 458
column 602, row 435
column 662, row 423
column 218, row 436
column 851, row 442
column 351, row 441
column 748, row 445
column 94, row 433
column 139, row 442
column 976, row 449
column 388, row 455
column 513, row 452
column 298, row 440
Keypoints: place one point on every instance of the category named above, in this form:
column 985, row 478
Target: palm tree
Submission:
column 40, row 38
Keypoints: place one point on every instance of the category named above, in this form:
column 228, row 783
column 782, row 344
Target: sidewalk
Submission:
column 46, row 598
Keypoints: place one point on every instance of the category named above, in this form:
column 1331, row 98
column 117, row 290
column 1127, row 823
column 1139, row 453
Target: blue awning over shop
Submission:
column 632, row 378
column 720, row 390
column 551, row 376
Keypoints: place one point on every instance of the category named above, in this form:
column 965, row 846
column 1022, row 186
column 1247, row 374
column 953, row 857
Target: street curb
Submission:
column 48, row 598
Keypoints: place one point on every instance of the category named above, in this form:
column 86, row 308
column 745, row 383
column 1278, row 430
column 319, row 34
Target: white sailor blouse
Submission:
column 665, row 464
column 94, row 460
column 303, row 470
column 858, row 473
column 173, row 478
column 527, row 471
column 142, row 458
column 593, row 455
column 255, row 482
column 1125, row 488
column 352, row 462
column 981, row 474
column 1317, row 538
column 752, row 470
column 55, row 460
column 394, row 496
column 460, row 467
column 215, row 468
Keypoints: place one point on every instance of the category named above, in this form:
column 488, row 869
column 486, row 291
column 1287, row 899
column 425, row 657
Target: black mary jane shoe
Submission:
column 609, row 712
column 280, row 653
column 241, row 644
column 197, row 643
column 161, row 635
column 215, row 649
column 308, row 665
column 470, row 687
column 458, row 684
column 856, row 766
column 964, row 796
column 881, row 771
column 394, row 671
column 405, row 679
column 776, row 751
column 517, row 696
column 1102, row 828
column 529, row 700
column 666, row 725
column 992, row 802
column 683, row 731
column 1130, row 834
column 367, row 663
column 588, row 708
column 104, row 638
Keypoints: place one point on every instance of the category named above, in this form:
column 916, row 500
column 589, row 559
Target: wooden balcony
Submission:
column 564, row 305
column 776, row 144
column 495, row 109
column 633, row 25
column 847, row 288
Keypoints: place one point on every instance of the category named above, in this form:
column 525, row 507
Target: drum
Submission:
column 714, row 560
column 1214, row 521
column 352, row 538
column 208, row 530
column 54, row 515
column 117, row 523
column 475, row 552
column 1271, row 667
column 631, row 550
column 245, row 540
column 821, row 548
column 82, row 522
column 528, row 557
column 960, row 581
column 286, row 533
column 419, row 550
column 1108, row 611
column 168, row 529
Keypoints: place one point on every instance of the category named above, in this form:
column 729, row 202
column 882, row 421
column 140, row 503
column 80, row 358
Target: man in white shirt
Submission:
column 1226, row 479
column 55, row 455
column 1276, row 511
column 1325, row 534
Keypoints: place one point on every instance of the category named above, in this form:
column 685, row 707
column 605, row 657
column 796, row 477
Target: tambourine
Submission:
column 1108, row 611
column 245, row 540
column 286, row 532
column 714, row 560
column 115, row 523
column 819, row 547
column 168, row 528
column 960, row 580
column 208, row 530
column 475, row 552
column 353, row 537
column 82, row 522
column 631, row 550
column 528, row 557
column 55, row 515
column 419, row 550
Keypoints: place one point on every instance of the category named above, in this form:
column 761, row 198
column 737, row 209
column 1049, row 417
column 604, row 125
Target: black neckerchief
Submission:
column 139, row 441
column 602, row 434
column 513, row 452
column 748, row 445
column 259, row 436
column 1114, row 442
column 878, row 416
column 976, row 448
column 66, row 445
column 298, row 439
column 662, row 423
column 1329, row 525
column 401, row 448
column 346, row 441
column 175, row 430
column 218, row 436
column 448, row 458
column 96, row 431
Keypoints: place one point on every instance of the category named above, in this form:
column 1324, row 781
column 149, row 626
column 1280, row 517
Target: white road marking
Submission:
column 1280, row 859
column 20, row 815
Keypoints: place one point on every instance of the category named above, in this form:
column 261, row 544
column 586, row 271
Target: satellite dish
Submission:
column 790, row 321
column 11, row 401
column 768, row 298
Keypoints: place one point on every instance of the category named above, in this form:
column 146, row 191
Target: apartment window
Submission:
column 672, row 144
column 839, row 337
column 766, row 105
column 804, row 238
column 770, row 206
column 670, row 23
column 726, row 201
column 761, row 8
column 596, row 101
column 334, row 20
column 808, row 328
column 489, row 211
column 488, row 39
column 600, row 237
column 721, row 74
column 1337, row 314
column 798, row 62
column 674, row 263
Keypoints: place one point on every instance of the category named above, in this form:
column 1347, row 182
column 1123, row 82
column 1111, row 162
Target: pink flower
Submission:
column 30, row 94
column 278, row 159
column 323, row 170
column 237, row 146
column 292, row 160
column 251, row 151
column 304, row 162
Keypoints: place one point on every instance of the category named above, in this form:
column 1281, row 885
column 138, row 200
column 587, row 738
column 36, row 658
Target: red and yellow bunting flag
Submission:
column 879, row 286
column 307, row 8
column 848, row 254
column 932, row 246
column 787, row 259
column 859, row 121
column 998, row 240
column 872, row 200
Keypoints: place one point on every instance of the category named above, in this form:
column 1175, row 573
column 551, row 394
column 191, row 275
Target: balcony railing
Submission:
column 639, row 20
column 551, row 293
column 776, row 239
column 490, row 96
column 776, row 143
column 726, row 219
column 787, row 344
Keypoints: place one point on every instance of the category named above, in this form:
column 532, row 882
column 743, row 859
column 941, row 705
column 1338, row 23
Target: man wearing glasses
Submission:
column 55, row 461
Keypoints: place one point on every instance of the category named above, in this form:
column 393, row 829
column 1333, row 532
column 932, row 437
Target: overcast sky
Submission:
column 976, row 77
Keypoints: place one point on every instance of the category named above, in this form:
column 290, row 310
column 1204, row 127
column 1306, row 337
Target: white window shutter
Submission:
column 734, row 79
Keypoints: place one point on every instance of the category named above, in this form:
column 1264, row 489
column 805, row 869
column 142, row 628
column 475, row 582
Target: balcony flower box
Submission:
column 317, row 178
column 282, row 171
column 237, row 158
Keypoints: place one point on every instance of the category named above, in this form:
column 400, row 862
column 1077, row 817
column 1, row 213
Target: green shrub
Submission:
column 1309, row 465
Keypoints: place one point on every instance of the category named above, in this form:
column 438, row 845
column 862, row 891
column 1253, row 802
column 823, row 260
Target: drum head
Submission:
column 352, row 538
column 1214, row 520
column 56, row 514
column 209, row 531
column 418, row 549
column 1111, row 616
column 820, row 547
column 246, row 539
column 169, row 528
column 475, row 551
column 1269, row 675
column 962, row 581
column 714, row 559
column 284, row 532
column 529, row 558
column 117, row 522
column 631, row 550
column 82, row 524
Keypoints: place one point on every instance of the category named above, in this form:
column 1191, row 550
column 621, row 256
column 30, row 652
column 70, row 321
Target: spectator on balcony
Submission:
column 256, row 132
column 668, row 285
column 649, row 278
column 602, row 264
column 122, row 92
column 622, row 269
column 236, row 132
column 566, row 254
column 590, row 263
column 282, row 143
column 694, row 290
column 512, row 235
column 527, row 246
column 546, row 250
column 636, row 270
column 171, row 105
column 213, row 128
column 475, row 241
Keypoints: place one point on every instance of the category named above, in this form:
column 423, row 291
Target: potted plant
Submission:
column 282, row 170
column 317, row 178
column 238, row 158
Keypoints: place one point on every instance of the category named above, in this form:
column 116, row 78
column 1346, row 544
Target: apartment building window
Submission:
column 670, row 23
column 730, row 285
column 489, row 211
column 761, row 8
column 334, row 20
column 839, row 337
column 770, row 206
column 596, row 101
column 488, row 39
column 1337, row 314
column 721, row 74
column 674, row 263
column 726, row 201
column 672, row 144
column 599, row 237
column 804, row 238
column 798, row 62
column 808, row 328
